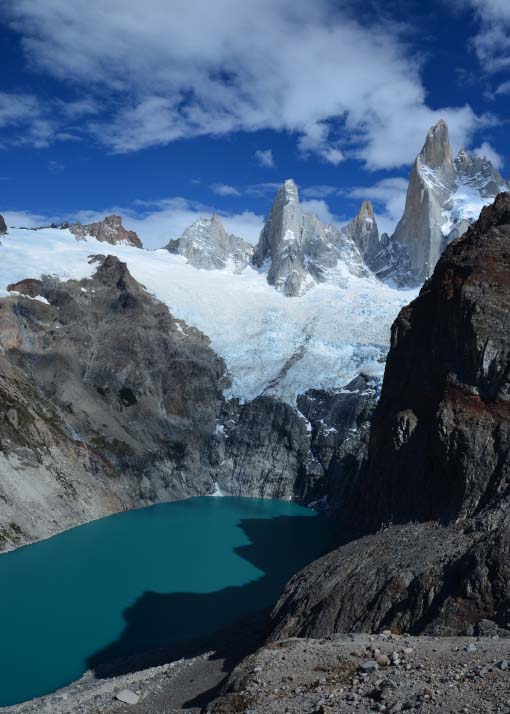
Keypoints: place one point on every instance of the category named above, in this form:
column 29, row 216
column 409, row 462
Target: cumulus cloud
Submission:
column 223, row 189
column 310, row 68
column 319, row 208
column 264, row 157
column 489, row 152
column 389, row 197
column 492, row 41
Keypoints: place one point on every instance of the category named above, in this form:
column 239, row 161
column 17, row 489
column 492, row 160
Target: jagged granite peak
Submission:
column 207, row 245
column 436, row 490
column 109, row 230
column 443, row 198
column 385, row 257
column 479, row 173
column 437, row 152
column 3, row 225
column 280, row 243
column 298, row 250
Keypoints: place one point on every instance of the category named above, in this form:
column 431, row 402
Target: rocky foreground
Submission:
column 340, row 675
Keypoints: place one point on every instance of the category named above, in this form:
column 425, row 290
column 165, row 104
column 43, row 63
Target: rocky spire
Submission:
column 432, row 183
column 3, row 226
column 207, row 245
column 280, row 242
column 109, row 230
column 436, row 152
column 363, row 230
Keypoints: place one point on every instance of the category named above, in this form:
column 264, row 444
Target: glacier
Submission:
column 271, row 344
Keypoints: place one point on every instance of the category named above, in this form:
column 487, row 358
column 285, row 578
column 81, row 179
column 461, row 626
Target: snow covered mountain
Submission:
column 271, row 344
column 298, row 252
column 207, row 245
column 445, row 195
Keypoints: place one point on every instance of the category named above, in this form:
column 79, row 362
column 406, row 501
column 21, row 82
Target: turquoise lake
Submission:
column 156, row 578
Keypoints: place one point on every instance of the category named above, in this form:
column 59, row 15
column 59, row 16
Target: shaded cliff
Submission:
column 439, row 464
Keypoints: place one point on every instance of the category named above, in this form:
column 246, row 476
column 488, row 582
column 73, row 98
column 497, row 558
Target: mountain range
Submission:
column 296, row 252
column 310, row 367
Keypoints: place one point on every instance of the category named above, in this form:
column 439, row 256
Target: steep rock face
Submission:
column 443, row 415
column 137, row 388
column 280, row 243
column 443, row 198
column 3, row 226
column 49, row 479
column 110, row 230
column 207, row 245
column 439, row 452
column 312, row 454
column 385, row 257
column 298, row 250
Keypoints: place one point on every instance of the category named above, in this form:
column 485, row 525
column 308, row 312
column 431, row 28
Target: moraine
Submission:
column 159, row 577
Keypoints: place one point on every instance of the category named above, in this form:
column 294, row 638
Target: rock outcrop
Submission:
column 438, row 464
column 135, row 391
column 312, row 454
column 109, row 230
column 298, row 251
column 443, row 198
column 3, row 226
column 207, row 245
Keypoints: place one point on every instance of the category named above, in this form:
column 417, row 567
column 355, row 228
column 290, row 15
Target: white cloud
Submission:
column 315, row 140
column 311, row 68
column 492, row 41
column 320, row 209
column 25, row 219
column 390, row 195
column 223, row 189
column 503, row 88
column 487, row 151
column 318, row 191
column 264, row 157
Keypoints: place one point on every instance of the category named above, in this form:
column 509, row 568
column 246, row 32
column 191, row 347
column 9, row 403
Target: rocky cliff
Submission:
column 109, row 230
column 445, row 195
column 438, row 464
column 207, row 245
column 3, row 226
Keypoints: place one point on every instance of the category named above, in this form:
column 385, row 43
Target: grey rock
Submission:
column 424, row 228
column 109, row 230
column 127, row 696
column 207, row 245
column 297, row 250
column 3, row 226
column 369, row 666
column 386, row 257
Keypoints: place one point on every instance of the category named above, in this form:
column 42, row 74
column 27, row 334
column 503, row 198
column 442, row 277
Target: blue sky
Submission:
column 167, row 109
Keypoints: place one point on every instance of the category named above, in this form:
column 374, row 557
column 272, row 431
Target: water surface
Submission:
column 158, row 577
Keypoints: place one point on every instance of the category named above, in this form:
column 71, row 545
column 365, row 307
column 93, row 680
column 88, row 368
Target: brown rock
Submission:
column 110, row 230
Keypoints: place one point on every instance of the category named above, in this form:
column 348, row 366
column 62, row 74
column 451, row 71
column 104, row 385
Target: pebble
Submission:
column 503, row 664
column 382, row 660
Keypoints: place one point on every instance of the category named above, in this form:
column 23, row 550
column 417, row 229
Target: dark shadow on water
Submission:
column 162, row 628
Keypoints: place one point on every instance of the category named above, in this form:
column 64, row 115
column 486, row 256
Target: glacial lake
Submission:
column 164, row 577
